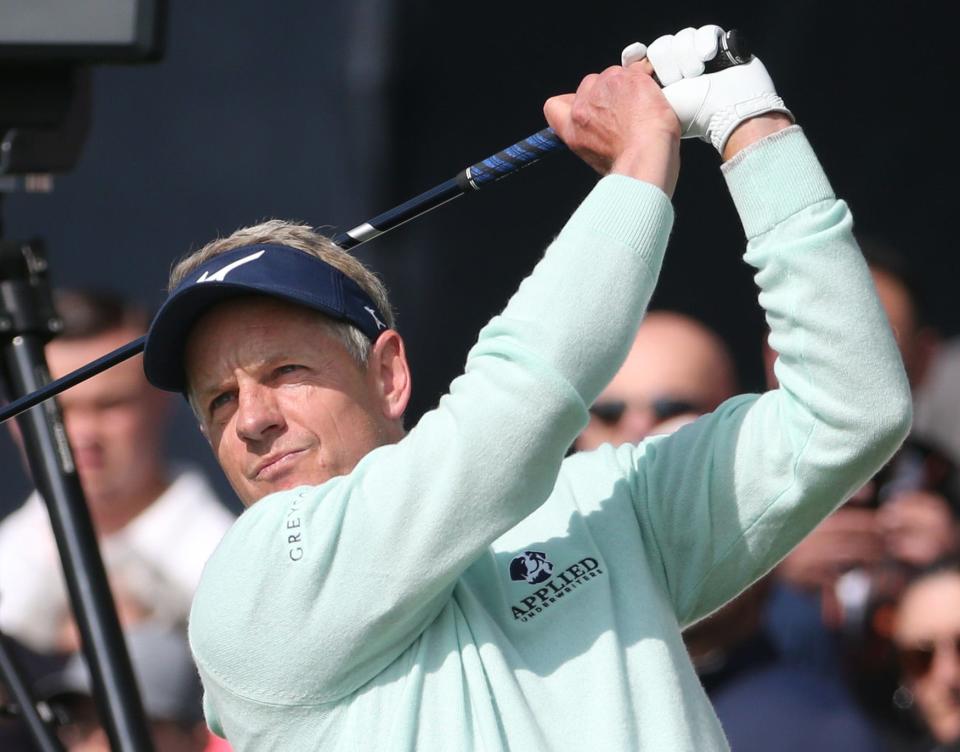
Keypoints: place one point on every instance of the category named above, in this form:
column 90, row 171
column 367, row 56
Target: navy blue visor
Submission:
column 277, row 271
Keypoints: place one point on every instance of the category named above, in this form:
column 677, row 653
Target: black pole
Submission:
column 53, row 388
column 26, row 307
column 12, row 674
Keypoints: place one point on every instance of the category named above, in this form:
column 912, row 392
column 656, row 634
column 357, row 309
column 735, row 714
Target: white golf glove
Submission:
column 710, row 106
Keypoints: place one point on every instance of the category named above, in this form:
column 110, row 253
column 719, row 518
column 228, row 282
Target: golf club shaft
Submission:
column 732, row 51
column 72, row 379
column 489, row 170
column 473, row 178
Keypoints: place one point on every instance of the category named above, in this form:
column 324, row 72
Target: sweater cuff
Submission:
column 774, row 179
column 630, row 211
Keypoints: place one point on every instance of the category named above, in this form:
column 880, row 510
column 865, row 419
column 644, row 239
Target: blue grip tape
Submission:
column 514, row 157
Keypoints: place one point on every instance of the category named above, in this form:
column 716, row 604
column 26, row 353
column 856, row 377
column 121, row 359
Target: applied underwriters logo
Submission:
column 534, row 568
column 531, row 567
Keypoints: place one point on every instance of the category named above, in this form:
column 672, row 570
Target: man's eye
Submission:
column 219, row 401
column 288, row 368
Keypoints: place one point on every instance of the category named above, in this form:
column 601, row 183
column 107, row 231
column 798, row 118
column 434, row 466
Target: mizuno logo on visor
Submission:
column 378, row 322
column 220, row 275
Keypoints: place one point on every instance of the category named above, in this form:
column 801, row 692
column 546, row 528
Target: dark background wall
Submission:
column 331, row 112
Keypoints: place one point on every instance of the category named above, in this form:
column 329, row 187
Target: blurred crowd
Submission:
column 851, row 643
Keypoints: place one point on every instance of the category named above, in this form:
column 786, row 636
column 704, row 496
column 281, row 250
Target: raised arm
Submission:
column 722, row 500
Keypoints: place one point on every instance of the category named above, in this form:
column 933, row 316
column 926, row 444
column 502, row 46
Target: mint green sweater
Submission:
column 469, row 589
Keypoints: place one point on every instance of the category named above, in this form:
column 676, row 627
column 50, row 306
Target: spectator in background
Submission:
column 926, row 633
column 156, row 526
column 676, row 366
column 937, row 410
column 764, row 701
column 14, row 734
column 169, row 689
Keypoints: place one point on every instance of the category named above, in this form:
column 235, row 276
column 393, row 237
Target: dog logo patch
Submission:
column 531, row 567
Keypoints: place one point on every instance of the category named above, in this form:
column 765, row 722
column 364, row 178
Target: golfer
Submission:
column 461, row 585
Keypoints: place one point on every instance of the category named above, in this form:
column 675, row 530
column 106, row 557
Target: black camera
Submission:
column 83, row 33
column 46, row 50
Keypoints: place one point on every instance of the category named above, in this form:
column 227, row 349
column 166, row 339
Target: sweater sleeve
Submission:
column 725, row 498
column 316, row 590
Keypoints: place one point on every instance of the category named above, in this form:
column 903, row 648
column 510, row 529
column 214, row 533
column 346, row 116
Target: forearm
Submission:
column 836, row 352
column 579, row 310
column 762, row 472
column 753, row 130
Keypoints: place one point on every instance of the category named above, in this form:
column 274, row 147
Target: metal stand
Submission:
column 11, row 674
column 27, row 322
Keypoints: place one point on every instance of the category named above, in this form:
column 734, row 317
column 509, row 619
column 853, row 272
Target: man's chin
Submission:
column 94, row 493
column 262, row 489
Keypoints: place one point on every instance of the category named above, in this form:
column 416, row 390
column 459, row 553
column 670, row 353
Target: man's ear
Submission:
column 390, row 373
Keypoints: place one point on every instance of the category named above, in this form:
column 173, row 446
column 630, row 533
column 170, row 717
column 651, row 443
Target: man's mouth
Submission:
column 276, row 465
column 88, row 459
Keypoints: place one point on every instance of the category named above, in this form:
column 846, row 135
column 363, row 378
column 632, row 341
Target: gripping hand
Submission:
column 709, row 105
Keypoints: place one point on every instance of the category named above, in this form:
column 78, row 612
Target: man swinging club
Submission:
column 367, row 598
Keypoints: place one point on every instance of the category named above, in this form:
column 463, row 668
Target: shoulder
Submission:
column 257, row 586
column 28, row 520
column 187, row 518
column 190, row 494
column 190, row 484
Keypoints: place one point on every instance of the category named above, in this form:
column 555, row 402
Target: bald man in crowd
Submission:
column 676, row 368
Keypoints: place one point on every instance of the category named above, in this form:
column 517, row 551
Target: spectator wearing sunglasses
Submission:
column 926, row 634
column 676, row 368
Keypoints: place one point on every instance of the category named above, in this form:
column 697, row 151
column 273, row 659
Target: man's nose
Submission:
column 946, row 664
column 258, row 412
column 636, row 423
column 82, row 426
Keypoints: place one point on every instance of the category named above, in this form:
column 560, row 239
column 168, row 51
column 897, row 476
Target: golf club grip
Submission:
column 511, row 159
column 733, row 50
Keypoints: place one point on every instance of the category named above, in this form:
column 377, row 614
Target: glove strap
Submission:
column 724, row 121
